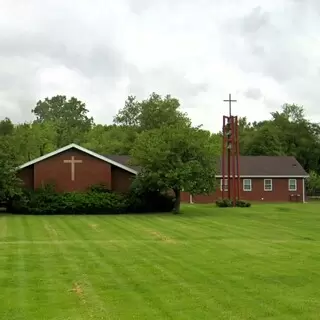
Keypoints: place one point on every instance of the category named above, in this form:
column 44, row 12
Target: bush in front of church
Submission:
column 47, row 201
column 141, row 199
column 97, row 200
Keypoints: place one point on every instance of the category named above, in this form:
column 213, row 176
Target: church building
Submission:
column 74, row 168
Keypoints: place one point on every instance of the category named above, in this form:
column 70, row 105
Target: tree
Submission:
column 9, row 182
column 129, row 115
column 32, row 140
column 6, row 127
column 264, row 141
column 291, row 112
column 313, row 182
column 43, row 137
column 299, row 137
column 176, row 158
column 69, row 116
column 288, row 132
column 154, row 112
column 22, row 142
column 111, row 139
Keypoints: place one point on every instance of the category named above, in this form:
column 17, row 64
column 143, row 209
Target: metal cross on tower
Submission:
column 230, row 101
column 230, row 156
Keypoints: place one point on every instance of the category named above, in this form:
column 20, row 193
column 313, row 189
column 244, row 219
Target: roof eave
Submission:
column 75, row 146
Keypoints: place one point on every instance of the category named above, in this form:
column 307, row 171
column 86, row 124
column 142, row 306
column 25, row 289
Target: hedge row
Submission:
column 226, row 203
column 97, row 200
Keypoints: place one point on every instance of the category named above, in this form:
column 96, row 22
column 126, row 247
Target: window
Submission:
column 247, row 185
column 267, row 184
column 225, row 184
column 292, row 184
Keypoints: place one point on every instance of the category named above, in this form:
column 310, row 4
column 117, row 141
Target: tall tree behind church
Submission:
column 288, row 132
column 155, row 112
column 152, row 113
column 69, row 116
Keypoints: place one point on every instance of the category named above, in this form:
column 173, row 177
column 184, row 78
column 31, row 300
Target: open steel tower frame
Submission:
column 230, row 162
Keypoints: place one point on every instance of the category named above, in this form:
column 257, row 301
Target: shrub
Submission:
column 143, row 198
column 243, row 204
column 92, row 203
column 149, row 201
column 47, row 201
column 97, row 200
column 226, row 203
column 100, row 187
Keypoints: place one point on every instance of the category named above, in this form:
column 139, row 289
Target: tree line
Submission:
column 287, row 132
column 158, row 136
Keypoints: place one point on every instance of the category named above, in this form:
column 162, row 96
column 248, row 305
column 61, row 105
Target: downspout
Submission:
column 303, row 191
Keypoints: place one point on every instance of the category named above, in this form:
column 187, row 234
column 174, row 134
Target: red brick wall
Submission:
column 91, row 171
column 204, row 198
column 121, row 179
column 185, row 196
column 26, row 175
column 279, row 193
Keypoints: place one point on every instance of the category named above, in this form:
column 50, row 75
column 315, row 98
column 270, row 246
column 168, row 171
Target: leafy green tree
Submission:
column 288, row 132
column 313, row 182
column 69, row 116
column 22, row 142
column 299, row 137
column 264, row 141
column 176, row 158
column 9, row 182
column 130, row 114
column 111, row 139
column 215, row 140
column 32, row 140
column 43, row 137
column 292, row 112
column 6, row 127
column 154, row 112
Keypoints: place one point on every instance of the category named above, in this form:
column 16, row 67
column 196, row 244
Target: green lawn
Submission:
column 209, row 263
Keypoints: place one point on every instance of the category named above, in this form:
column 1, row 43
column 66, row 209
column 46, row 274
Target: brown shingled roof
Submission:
column 267, row 166
column 124, row 160
column 249, row 165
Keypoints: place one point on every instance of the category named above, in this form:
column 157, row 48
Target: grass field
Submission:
column 209, row 263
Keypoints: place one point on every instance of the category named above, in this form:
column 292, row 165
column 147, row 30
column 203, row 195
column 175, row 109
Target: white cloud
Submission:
column 263, row 52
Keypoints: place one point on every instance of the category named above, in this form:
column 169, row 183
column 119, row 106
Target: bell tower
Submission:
column 230, row 165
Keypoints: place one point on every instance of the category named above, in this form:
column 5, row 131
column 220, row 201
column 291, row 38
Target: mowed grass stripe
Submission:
column 255, row 225
column 200, row 230
column 233, row 285
column 121, row 281
column 130, row 285
column 13, row 283
column 176, row 280
column 20, row 271
column 39, row 265
column 76, row 257
column 204, row 290
column 59, row 276
column 3, row 227
column 99, row 261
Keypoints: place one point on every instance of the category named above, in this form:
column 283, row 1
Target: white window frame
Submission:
column 225, row 184
column 264, row 185
column 295, row 184
column 244, row 183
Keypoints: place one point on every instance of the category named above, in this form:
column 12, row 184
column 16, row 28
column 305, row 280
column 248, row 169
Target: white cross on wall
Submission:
column 73, row 163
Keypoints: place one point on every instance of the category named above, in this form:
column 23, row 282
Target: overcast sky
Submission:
column 264, row 52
